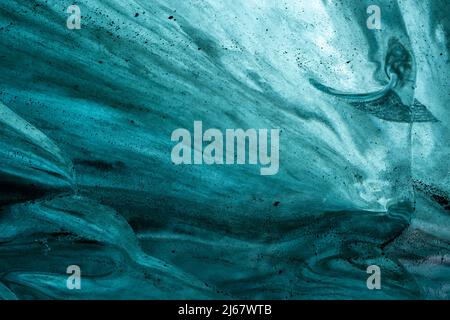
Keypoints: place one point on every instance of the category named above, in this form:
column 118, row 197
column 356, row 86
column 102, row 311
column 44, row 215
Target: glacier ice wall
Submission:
column 86, row 176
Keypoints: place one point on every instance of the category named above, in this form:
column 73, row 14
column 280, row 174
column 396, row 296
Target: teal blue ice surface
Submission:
column 87, row 179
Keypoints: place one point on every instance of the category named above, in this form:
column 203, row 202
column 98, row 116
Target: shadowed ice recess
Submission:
column 86, row 176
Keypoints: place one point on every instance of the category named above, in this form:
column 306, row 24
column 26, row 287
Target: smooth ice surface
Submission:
column 86, row 176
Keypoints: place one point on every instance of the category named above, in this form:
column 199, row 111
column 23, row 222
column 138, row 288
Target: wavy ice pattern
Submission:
column 85, row 172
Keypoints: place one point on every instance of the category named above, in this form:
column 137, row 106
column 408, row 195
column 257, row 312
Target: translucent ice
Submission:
column 86, row 176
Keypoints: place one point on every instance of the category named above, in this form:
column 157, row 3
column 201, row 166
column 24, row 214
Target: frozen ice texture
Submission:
column 86, row 178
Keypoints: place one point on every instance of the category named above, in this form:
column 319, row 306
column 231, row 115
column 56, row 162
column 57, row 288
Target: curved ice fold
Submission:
column 386, row 103
column 32, row 166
